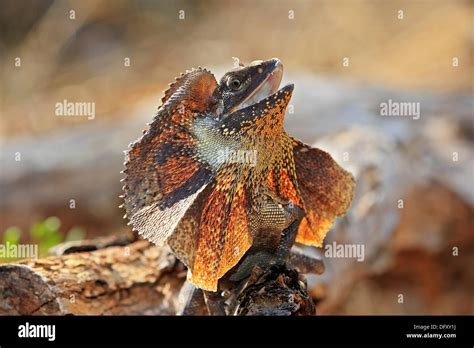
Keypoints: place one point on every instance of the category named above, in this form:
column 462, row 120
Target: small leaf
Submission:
column 37, row 231
column 52, row 223
column 75, row 233
column 12, row 235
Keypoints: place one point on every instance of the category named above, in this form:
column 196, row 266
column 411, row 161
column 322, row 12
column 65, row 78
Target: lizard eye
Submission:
column 235, row 84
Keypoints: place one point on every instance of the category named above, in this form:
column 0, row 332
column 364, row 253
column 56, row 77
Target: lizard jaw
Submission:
column 268, row 87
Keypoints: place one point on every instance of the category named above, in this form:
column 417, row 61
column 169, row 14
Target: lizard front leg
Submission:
column 276, row 224
column 295, row 258
column 288, row 235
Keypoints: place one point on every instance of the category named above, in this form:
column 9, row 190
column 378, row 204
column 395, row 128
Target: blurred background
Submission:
column 59, row 176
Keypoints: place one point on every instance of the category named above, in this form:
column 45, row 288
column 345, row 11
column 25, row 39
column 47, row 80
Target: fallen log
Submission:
column 109, row 276
column 135, row 279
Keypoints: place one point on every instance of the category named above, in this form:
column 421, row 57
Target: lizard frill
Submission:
column 163, row 173
column 179, row 189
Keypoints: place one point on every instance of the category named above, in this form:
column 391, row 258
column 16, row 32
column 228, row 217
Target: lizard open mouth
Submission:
column 266, row 88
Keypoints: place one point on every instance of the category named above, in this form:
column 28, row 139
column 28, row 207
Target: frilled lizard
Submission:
column 217, row 178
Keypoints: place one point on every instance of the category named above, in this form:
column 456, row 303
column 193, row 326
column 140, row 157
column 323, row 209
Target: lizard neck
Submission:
column 217, row 147
column 212, row 145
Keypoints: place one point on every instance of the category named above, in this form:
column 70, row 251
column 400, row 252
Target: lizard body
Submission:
column 220, row 215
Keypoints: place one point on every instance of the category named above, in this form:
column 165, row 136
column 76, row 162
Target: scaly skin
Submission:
column 213, row 210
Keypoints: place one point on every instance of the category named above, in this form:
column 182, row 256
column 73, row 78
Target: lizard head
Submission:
column 252, row 116
column 247, row 85
column 254, row 127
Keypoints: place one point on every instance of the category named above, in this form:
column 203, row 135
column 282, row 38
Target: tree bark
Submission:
column 138, row 278
column 120, row 276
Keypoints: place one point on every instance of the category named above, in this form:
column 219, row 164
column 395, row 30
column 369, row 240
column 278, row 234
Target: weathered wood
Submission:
column 277, row 292
column 414, row 201
column 119, row 276
column 135, row 279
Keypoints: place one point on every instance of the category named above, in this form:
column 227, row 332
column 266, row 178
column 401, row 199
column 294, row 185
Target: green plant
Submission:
column 45, row 233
